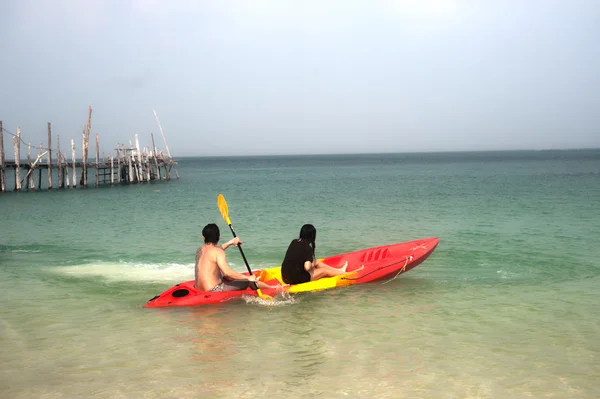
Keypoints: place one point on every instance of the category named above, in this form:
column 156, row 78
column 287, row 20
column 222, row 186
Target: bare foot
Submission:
column 343, row 268
column 360, row 268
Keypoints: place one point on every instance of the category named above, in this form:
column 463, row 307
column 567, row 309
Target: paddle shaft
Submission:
column 242, row 252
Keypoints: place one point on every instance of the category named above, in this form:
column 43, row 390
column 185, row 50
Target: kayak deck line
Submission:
column 402, row 270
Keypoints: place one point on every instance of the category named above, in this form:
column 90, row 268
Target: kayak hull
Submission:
column 379, row 264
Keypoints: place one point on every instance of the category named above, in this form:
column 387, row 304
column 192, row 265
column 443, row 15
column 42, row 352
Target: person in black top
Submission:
column 300, row 265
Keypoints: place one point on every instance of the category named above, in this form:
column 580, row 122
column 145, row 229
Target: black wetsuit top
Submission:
column 292, row 268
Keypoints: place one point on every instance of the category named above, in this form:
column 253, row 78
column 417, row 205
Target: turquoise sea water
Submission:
column 506, row 306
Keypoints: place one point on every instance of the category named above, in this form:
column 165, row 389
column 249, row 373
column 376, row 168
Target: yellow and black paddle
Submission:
column 225, row 213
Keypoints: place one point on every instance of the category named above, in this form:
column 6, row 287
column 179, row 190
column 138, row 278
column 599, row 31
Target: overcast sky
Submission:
column 252, row 77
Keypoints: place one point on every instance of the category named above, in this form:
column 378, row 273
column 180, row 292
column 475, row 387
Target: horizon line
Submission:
column 8, row 159
column 389, row 153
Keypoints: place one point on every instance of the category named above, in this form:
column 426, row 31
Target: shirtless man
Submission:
column 212, row 271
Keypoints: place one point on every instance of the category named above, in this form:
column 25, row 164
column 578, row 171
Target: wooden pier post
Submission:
column 130, row 166
column 155, row 155
column 29, row 176
column 130, row 163
column 49, row 156
column 66, row 170
column 132, row 154
column 147, row 163
column 97, row 156
column 17, row 144
column 112, row 170
column 118, row 164
column 61, row 177
column 74, row 163
column 136, row 170
column 40, row 169
column 30, row 182
column 2, row 171
column 134, row 165
column 143, row 163
column 166, row 146
column 118, row 149
column 87, row 143
column 134, row 162
column 124, row 165
column 165, row 164
column 85, row 150
column 82, row 180
column 123, row 173
column 139, row 160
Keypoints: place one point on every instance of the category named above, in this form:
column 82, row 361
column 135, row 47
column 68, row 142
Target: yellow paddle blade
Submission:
column 223, row 208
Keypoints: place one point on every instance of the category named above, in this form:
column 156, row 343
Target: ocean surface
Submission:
column 507, row 306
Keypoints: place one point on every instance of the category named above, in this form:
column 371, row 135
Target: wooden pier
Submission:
column 129, row 165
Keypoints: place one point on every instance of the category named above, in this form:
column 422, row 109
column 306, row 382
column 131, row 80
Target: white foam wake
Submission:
column 125, row 271
column 131, row 271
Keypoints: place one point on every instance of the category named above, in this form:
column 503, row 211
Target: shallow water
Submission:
column 506, row 306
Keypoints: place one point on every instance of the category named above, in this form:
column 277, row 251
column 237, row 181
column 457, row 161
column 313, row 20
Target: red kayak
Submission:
column 380, row 263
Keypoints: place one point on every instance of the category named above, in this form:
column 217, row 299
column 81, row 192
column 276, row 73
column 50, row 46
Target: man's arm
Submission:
column 227, row 272
column 234, row 241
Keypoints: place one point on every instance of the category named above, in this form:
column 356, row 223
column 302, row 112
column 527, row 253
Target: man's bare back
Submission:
column 208, row 274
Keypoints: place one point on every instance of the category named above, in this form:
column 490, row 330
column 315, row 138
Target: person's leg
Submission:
column 333, row 271
column 324, row 270
column 265, row 286
column 234, row 285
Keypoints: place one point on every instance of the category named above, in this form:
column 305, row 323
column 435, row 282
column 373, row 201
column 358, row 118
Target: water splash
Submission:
column 280, row 299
